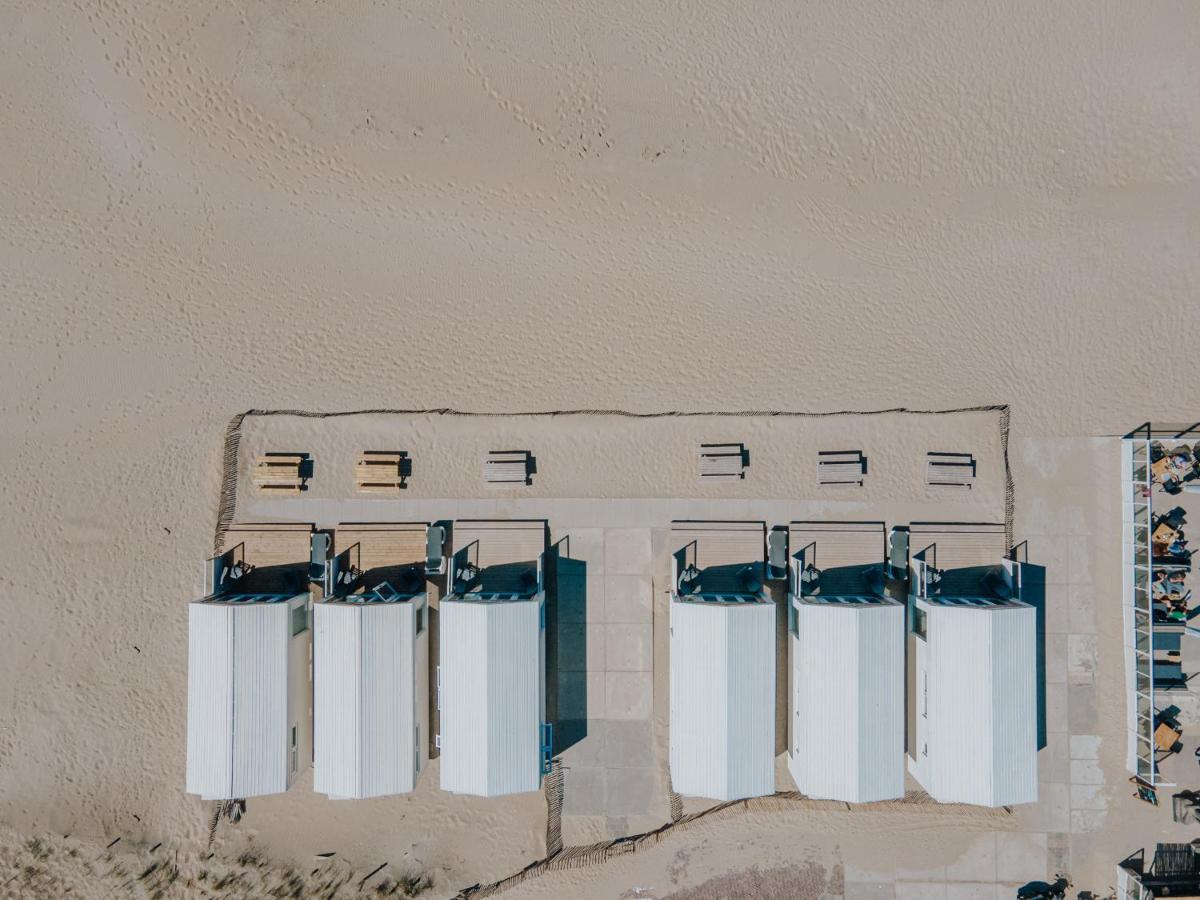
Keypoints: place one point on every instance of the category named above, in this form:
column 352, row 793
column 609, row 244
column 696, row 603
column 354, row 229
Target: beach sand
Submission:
column 212, row 208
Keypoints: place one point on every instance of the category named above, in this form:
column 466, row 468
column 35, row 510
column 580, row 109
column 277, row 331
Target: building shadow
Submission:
column 566, row 646
column 1033, row 592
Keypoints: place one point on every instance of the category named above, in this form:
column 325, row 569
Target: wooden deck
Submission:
column 960, row 545
column 383, row 551
column 271, row 544
column 279, row 553
column 840, row 544
column 383, row 544
column 504, row 550
column 720, row 550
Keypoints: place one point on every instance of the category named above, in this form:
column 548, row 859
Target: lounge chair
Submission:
column 435, row 541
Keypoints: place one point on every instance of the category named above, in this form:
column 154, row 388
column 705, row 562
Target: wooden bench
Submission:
column 379, row 472
column 950, row 469
column 279, row 473
column 841, row 467
column 722, row 462
column 502, row 467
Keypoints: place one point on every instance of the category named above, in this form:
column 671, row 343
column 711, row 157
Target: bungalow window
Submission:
column 299, row 619
column 421, row 612
column 919, row 623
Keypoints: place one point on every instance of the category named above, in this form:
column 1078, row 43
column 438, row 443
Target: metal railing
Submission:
column 1139, row 575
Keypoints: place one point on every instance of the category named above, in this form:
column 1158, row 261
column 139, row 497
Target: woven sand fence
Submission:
column 227, row 508
column 783, row 801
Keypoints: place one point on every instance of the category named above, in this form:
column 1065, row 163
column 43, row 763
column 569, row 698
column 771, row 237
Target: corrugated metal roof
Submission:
column 365, row 699
column 492, row 690
column 982, row 704
column 848, row 701
column 238, row 743
column 722, row 716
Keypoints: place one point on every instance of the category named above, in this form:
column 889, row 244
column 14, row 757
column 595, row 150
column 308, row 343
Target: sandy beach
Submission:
column 210, row 209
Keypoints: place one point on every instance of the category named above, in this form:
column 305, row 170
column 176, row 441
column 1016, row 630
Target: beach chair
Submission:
column 841, row 467
column 777, row 552
column 955, row 470
column 435, row 541
column 319, row 556
column 722, row 462
column 506, row 467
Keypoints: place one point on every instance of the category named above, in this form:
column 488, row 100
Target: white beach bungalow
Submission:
column 371, row 660
column 722, row 669
column 846, row 649
column 249, row 726
column 972, row 668
column 491, row 673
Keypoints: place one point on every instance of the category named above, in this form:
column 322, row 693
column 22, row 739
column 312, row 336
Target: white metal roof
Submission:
column 722, row 727
column 491, row 694
column 237, row 729
column 982, row 703
column 364, row 698
column 848, row 701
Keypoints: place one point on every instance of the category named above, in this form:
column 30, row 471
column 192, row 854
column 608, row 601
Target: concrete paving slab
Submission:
column 629, row 744
column 1085, row 746
column 1053, row 762
column 1053, row 809
column 920, row 890
column 572, row 695
column 1056, row 659
column 1057, row 607
column 628, row 695
column 1082, row 608
column 579, row 598
column 969, row 891
column 627, row 551
column 1079, row 559
column 629, row 648
column 588, row 752
column 1082, row 653
column 1083, row 718
column 870, row 890
column 1020, row 857
column 1051, row 551
column 1057, row 714
column 1086, row 771
column 1088, row 796
column 587, row 546
column 1088, row 821
column 574, row 649
column 597, row 639
column 630, row 791
column 597, row 696
column 628, row 599
column 595, row 611
column 978, row 863
column 585, row 790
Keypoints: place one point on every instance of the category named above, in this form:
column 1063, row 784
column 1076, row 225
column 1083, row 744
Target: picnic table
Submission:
column 1166, row 736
